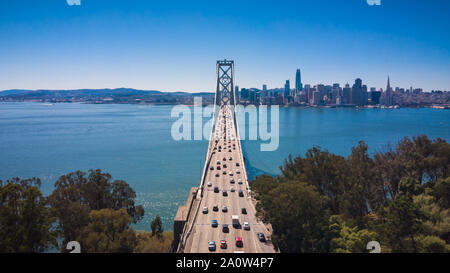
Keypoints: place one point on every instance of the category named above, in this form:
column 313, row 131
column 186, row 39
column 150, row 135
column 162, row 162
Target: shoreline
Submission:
column 50, row 103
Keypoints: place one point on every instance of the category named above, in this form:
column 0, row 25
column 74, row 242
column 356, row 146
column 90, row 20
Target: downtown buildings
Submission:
column 350, row 95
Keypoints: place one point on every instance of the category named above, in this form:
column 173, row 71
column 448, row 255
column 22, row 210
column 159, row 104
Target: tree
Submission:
column 76, row 195
column 263, row 184
column 400, row 196
column 361, row 188
column 156, row 226
column 349, row 239
column 108, row 231
column 441, row 192
column 25, row 218
column 404, row 220
column 433, row 244
column 122, row 196
column 297, row 214
column 153, row 244
column 409, row 186
column 327, row 172
column 436, row 219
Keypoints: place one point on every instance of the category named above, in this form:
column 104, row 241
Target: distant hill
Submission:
column 118, row 95
column 12, row 92
column 103, row 92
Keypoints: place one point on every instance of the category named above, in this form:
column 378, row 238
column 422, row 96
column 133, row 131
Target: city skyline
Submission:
column 335, row 95
column 173, row 46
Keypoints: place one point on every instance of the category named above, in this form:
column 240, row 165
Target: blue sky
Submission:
column 173, row 45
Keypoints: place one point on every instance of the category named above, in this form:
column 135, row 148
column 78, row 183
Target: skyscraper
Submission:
column 388, row 100
column 298, row 82
column 347, row 94
column 356, row 91
column 375, row 97
column 359, row 93
column 287, row 89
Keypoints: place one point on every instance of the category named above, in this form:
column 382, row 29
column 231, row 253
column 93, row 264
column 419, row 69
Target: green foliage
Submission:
column 153, row 244
column 92, row 209
column 108, row 232
column 433, row 244
column 437, row 219
column 349, row 239
column 25, row 218
column 296, row 216
column 442, row 192
column 76, row 195
column 265, row 184
column 400, row 197
column 156, row 226
column 404, row 220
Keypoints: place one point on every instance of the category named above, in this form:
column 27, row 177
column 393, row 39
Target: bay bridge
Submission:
column 220, row 214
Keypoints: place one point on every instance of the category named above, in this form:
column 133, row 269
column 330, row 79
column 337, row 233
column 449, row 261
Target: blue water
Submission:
column 339, row 129
column 134, row 143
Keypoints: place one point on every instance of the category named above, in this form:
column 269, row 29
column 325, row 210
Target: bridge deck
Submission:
column 202, row 231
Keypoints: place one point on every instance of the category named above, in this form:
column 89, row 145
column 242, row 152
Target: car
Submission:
column 224, row 193
column 214, row 223
column 224, row 165
column 261, row 237
column 218, row 162
column 218, row 168
column 217, row 174
column 237, row 164
column 238, row 171
column 212, row 246
column 241, row 193
column 225, row 228
column 230, row 173
column 205, row 210
column 216, row 208
column 246, row 226
column 229, row 150
column 216, row 189
column 224, row 172
column 209, row 184
column 230, row 157
column 239, row 242
column 244, row 211
column 223, row 244
column 224, row 159
column 240, row 182
column 224, row 209
column 232, row 181
column 211, row 168
column 232, row 189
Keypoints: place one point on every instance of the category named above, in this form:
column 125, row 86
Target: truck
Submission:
column 235, row 221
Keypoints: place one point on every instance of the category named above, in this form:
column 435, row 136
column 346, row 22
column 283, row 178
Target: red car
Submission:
column 223, row 244
column 239, row 242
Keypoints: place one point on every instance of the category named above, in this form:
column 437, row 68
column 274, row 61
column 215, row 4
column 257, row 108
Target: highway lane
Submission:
column 203, row 231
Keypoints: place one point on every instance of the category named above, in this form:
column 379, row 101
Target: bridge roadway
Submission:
column 226, row 146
